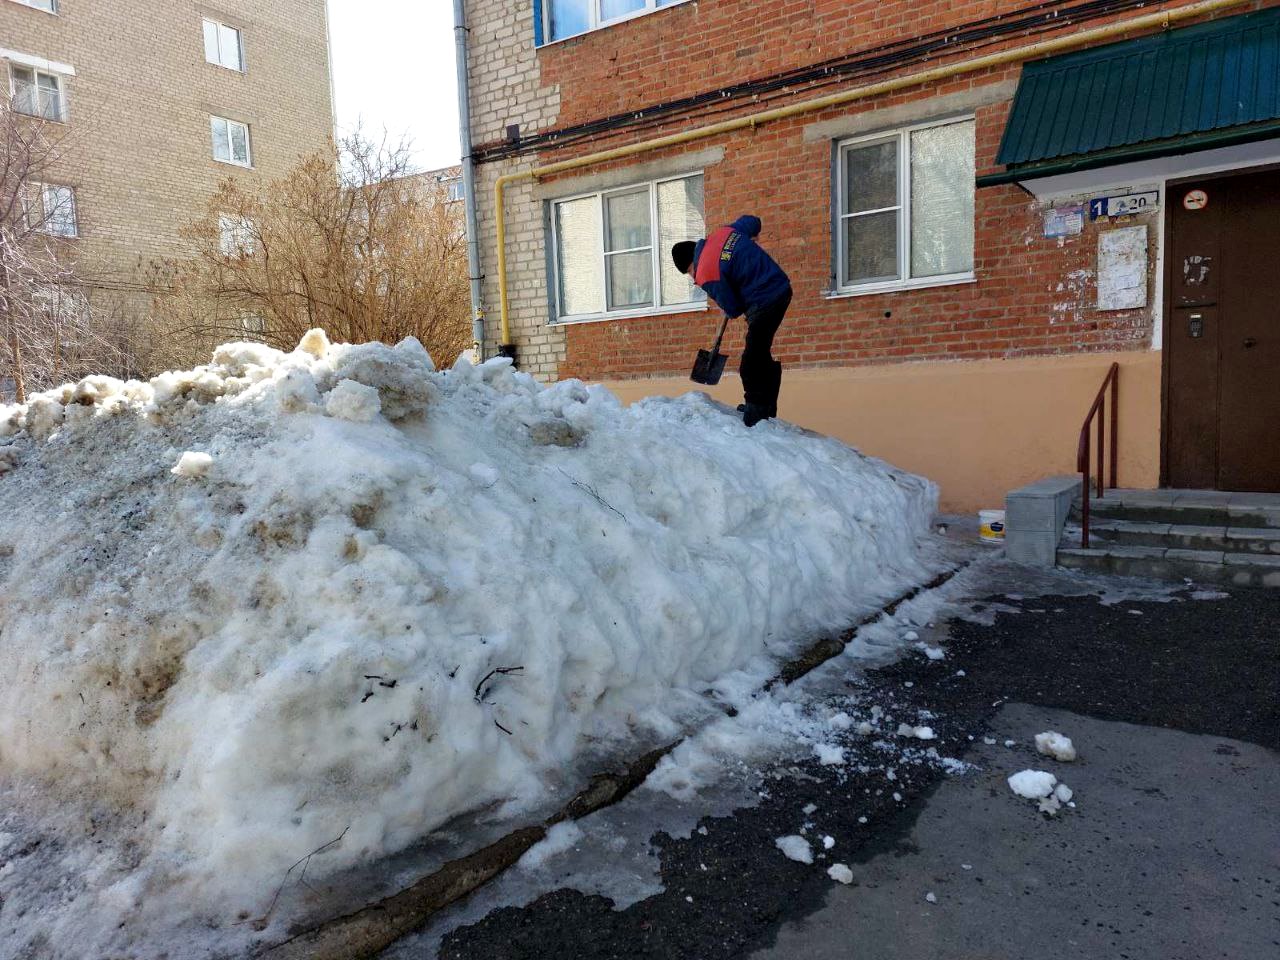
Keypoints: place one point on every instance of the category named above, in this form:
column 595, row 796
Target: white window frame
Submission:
column 32, row 4
column 46, row 220
column 219, row 27
column 596, row 21
column 36, row 74
column 231, row 153
column 658, row 309
column 905, row 281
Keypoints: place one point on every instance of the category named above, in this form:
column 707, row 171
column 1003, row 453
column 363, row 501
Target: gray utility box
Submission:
column 1034, row 517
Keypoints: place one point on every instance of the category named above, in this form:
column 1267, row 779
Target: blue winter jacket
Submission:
column 735, row 271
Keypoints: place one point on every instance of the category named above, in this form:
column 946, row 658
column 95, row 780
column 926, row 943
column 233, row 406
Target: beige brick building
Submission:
column 160, row 101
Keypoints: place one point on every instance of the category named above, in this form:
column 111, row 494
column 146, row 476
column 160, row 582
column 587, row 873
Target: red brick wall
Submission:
column 1032, row 295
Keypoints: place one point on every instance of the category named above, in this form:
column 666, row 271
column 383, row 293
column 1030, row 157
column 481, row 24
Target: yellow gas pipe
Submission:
column 1160, row 18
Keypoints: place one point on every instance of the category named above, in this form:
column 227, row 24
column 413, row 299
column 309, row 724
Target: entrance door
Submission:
column 1222, row 333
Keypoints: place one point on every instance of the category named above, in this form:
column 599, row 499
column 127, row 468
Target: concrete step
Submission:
column 1191, row 508
column 1162, row 563
column 1178, row 536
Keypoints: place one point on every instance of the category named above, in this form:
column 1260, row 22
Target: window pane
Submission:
column 679, row 218
column 871, row 177
column 630, row 280
column 612, row 9
column 579, row 241
column 871, row 247
column 627, row 219
column 221, row 141
column 24, row 90
column 210, row 41
column 568, row 17
column 60, row 211
column 239, row 142
column 49, row 92
column 942, row 188
column 229, row 47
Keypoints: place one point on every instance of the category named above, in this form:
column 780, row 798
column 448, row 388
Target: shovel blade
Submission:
column 708, row 367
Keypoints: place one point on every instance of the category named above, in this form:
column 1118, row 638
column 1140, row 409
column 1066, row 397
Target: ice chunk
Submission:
column 840, row 873
column 795, row 847
column 1063, row 793
column 840, row 721
column 920, row 733
column 1053, row 744
column 561, row 838
column 828, row 842
column 1033, row 784
column 829, row 755
column 193, row 464
column 353, row 401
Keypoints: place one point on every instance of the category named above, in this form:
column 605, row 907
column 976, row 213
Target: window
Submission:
column 454, row 191
column 567, row 18
column 610, row 258
column 223, row 46
column 36, row 93
column 48, row 6
column 905, row 215
column 235, row 236
column 58, row 206
column 230, row 141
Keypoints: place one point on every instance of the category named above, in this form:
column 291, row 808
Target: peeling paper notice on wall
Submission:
column 1122, row 268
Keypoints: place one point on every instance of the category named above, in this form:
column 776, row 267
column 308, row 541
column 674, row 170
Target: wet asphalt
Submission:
column 1205, row 667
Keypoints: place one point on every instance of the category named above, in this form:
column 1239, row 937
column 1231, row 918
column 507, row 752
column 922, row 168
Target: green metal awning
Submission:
column 1210, row 85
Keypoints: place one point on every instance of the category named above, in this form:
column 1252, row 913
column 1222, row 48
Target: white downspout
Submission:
column 468, row 178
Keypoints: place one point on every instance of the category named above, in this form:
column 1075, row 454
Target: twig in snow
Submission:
column 593, row 493
column 502, row 728
column 304, row 862
column 499, row 671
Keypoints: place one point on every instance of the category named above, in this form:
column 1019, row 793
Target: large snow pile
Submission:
column 282, row 598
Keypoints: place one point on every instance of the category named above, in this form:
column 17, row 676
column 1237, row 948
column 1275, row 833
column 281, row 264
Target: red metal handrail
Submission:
column 1082, row 449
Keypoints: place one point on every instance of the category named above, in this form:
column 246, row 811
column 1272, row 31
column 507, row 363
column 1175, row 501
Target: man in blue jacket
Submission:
column 745, row 282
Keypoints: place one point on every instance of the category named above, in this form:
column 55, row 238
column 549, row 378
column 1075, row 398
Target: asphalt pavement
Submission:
column 1172, row 850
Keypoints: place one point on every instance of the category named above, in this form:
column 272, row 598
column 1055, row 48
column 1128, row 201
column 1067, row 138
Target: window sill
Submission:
column 632, row 314
column 872, row 289
column 52, row 13
column 232, row 163
column 222, row 66
column 612, row 23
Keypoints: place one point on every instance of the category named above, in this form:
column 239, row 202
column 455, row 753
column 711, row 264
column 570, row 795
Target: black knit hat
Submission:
column 682, row 255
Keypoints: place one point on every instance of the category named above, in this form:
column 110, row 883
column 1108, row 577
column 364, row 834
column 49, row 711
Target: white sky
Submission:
column 393, row 68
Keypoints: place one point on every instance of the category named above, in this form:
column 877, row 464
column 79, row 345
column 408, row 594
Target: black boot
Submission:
column 754, row 413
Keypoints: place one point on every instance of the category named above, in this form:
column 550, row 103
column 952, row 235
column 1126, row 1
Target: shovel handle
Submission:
column 715, row 348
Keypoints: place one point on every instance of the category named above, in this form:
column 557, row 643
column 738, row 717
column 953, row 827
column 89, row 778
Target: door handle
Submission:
column 1250, row 343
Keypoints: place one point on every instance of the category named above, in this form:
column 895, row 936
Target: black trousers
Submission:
column 761, row 374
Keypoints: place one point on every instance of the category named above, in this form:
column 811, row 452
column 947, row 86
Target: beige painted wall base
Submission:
column 978, row 428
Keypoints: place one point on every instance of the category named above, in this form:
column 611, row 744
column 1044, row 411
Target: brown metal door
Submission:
column 1222, row 398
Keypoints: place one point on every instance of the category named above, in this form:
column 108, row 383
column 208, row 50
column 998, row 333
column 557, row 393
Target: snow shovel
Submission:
column 709, row 365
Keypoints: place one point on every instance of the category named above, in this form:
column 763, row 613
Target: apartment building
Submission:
column 155, row 104
column 982, row 207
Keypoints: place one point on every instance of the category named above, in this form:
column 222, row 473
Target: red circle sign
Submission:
column 1195, row 200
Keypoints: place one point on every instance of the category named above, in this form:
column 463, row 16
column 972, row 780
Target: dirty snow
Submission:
column 370, row 618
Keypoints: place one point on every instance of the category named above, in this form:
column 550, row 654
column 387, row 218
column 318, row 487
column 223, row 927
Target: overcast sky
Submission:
column 393, row 68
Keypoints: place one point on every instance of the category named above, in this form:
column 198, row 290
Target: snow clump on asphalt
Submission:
column 795, row 847
column 1053, row 744
column 397, row 595
column 840, row 873
column 1043, row 787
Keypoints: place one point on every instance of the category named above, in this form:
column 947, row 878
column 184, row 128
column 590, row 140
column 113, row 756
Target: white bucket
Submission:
column 991, row 526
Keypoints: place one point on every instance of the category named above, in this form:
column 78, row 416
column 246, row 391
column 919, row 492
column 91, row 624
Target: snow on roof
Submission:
column 289, row 597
